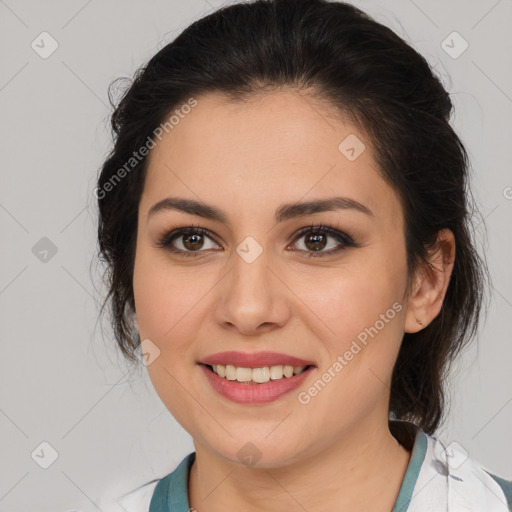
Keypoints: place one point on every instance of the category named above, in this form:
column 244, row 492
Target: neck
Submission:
column 363, row 470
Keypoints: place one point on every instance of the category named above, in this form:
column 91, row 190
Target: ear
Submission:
column 431, row 283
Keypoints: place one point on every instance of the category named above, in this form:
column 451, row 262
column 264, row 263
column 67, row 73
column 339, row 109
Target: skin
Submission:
column 336, row 452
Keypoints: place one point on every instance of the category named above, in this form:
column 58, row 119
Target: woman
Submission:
column 285, row 219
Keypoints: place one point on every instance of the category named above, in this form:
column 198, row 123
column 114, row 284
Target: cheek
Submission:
column 165, row 297
column 168, row 305
column 364, row 316
column 346, row 301
column 360, row 317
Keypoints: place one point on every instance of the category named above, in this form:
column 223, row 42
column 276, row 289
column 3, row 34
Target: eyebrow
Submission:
column 283, row 213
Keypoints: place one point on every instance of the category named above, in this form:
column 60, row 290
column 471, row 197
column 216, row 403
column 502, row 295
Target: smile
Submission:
column 256, row 375
column 245, row 385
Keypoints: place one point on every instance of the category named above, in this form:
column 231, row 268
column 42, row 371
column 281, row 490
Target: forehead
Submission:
column 278, row 147
column 272, row 126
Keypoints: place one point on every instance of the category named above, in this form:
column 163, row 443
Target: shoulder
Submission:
column 465, row 483
column 139, row 499
column 506, row 487
column 154, row 493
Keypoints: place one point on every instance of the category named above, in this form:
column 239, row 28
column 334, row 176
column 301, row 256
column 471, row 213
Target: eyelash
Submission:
column 343, row 238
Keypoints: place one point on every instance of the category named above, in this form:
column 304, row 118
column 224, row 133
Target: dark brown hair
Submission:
column 367, row 73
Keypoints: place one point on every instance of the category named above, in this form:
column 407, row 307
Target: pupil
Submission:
column 196, row 244
column 316, row 238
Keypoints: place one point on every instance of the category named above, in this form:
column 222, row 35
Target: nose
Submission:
column 253, row 298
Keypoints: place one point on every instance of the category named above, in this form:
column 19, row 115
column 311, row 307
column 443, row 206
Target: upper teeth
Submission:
column 259, row 375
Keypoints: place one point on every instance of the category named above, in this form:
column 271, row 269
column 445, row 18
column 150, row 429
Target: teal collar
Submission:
column 171, row 492
column 419, row 451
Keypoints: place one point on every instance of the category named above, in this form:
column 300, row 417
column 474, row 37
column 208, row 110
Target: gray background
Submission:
column 62, row 381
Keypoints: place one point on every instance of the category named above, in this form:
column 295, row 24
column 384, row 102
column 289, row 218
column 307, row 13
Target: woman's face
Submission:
column 249, row 284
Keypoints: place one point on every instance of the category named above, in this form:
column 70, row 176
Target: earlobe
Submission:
column 431, row 284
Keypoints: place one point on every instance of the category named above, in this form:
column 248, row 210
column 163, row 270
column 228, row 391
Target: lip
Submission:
column 254, row 359
column 254, row 393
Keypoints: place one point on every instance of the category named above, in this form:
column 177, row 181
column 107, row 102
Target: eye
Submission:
column 192, row 240
column 316, row 240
